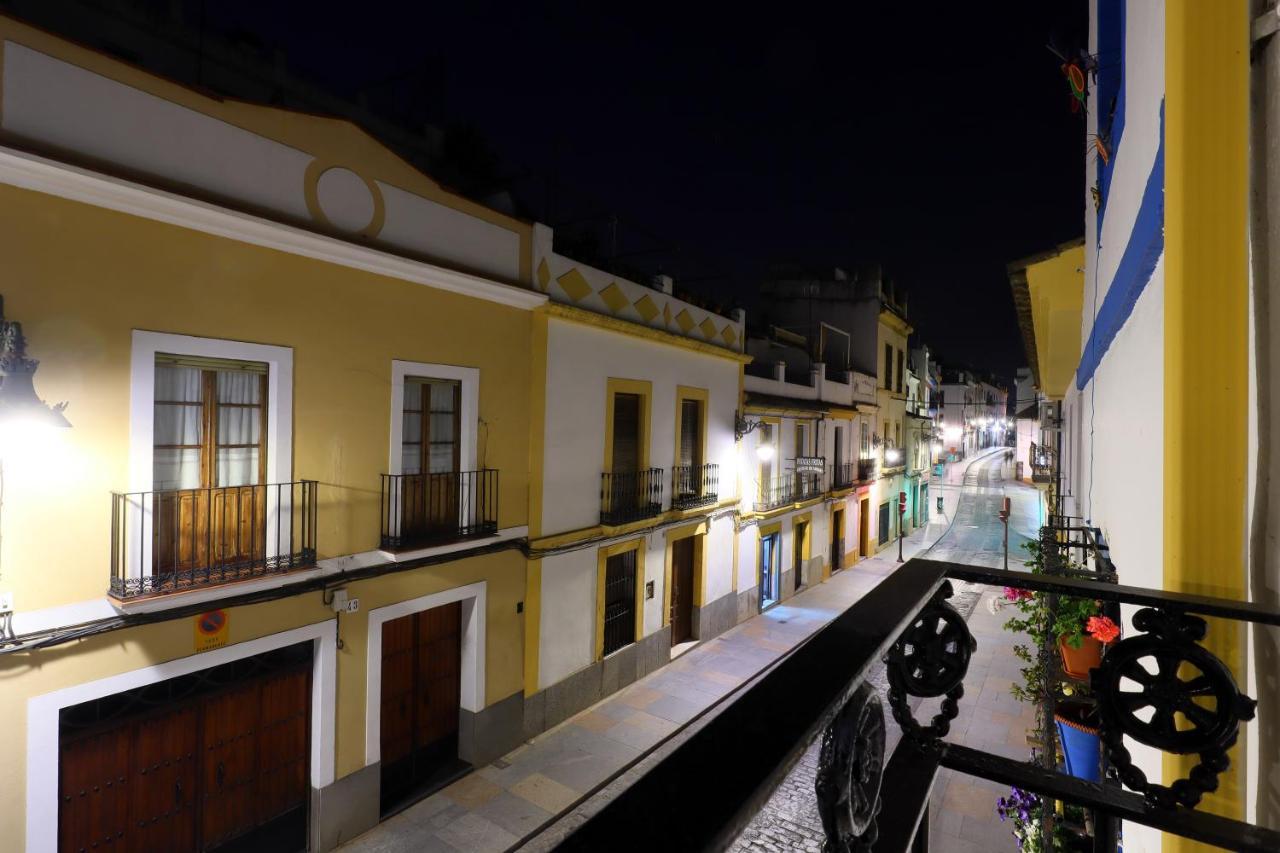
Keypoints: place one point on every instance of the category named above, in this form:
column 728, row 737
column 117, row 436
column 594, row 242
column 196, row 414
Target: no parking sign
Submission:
column 211, row 630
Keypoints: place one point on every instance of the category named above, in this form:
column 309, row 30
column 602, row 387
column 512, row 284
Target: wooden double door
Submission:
column 421, row 685
column 227, row 769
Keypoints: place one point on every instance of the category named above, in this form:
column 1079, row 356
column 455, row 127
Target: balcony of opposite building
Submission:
column 180, row 540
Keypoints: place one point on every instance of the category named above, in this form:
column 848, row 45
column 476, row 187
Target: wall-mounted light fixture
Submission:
column 20, row 406
column 21, row 412
column 743, row 427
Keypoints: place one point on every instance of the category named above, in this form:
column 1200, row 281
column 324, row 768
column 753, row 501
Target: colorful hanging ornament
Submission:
column 1101, row 146
column 1076, row 79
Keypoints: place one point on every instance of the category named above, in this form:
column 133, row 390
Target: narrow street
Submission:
column 962, row 813
column 498, row 805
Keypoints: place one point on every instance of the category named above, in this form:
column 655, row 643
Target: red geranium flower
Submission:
column 1012, row 593
column 1102, row 629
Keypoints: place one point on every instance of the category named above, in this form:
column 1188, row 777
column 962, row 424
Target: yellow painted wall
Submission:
column 81, row 278
column 37, row 673
column 1056, row 286
column 1206, row 335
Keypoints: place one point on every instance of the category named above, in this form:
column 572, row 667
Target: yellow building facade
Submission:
column 298, row 380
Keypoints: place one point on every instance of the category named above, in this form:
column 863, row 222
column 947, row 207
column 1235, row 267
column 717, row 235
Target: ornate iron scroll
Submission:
column 1196, row 707
column 930, row 659
column 850, row 767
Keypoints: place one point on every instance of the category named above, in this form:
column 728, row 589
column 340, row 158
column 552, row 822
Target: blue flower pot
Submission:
column 1078, row 734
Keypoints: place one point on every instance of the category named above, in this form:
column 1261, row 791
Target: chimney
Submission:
column 663, row 283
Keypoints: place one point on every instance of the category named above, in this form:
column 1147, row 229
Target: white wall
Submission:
column 63, row 105
column 719, row 551
column 566, row 641
column 580, row 361
column 1113, row 427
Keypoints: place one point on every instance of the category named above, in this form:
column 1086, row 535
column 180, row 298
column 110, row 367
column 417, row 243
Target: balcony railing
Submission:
column 820, row 690
column 693, row 486
column 788, row 489
column 777, row 492
column 843, row 474
column 849, row 474
column 630, row 496
column 810, row 484
column 419, row 510
column 175, row 541
column 1042, row 463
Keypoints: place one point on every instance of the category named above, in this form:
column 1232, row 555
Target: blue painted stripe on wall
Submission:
column 1146, row 244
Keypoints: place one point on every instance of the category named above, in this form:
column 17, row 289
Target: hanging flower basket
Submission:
column 1078, row 732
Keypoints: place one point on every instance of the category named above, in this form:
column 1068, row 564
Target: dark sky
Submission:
column 934, row 138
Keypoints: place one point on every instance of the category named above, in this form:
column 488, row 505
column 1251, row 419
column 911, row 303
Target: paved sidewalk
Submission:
column 962, row 810
column 493, row 808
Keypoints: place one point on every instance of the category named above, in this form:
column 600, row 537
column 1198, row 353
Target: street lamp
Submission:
column 22, row 413
column 764, row 452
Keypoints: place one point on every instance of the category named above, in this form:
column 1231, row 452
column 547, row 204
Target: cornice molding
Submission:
column 41, row 174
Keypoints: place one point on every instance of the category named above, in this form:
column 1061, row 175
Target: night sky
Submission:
column 934, row 138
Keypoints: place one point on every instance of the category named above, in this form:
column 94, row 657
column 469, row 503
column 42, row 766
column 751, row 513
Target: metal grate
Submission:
column 619, row 601
column 630, row 496
column 176, row 540
column 430, row 509
column 694, row 485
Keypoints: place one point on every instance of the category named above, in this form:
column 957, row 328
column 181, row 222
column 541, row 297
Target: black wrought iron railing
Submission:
column 1042, row 463
column 866, row 470
column 776, row 492
column 810, row 484
column 789, row 489
column 630, row 496
column 693, row 486
column 843, row 474
column 820, row 690
column 419, row 510
column 174, row 541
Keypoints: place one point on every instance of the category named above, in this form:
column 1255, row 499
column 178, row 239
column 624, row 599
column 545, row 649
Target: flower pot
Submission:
column 1078, row 733
column 1076, row 663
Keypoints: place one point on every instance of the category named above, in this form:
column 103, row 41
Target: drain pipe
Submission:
column 1264, row 572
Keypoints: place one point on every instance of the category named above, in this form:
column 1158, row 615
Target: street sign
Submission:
column 211, row 630
column 810, row 464
column 902, row 502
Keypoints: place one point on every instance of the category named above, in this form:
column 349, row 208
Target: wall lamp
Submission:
column 743, row 427
column 19, row 404
column 21, row 411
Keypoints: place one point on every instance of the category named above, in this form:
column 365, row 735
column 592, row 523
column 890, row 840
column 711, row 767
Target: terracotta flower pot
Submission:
column 1076, row 663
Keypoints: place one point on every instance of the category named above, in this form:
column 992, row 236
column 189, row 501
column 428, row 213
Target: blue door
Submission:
column 770, row 574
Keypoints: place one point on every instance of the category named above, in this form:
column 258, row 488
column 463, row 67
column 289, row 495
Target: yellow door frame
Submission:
column 602, row 560
column 642, row 388
column 699, row 531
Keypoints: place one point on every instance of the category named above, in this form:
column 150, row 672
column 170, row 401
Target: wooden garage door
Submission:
column 195, row 774
column 421, row 666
